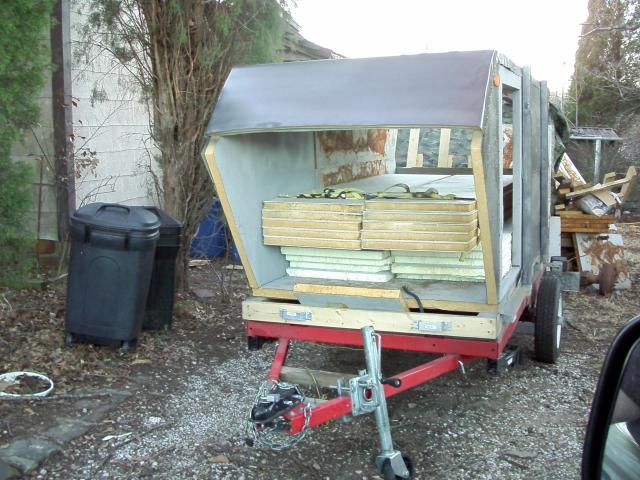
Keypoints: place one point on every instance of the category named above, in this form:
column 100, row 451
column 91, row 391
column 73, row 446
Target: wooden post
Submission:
column 62, row 116
column 444, row 159
column 483, row 217
column 412, row 151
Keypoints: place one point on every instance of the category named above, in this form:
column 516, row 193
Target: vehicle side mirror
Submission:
column 612, row 441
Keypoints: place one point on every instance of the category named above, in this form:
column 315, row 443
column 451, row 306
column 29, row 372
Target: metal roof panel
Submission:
column 434, row 89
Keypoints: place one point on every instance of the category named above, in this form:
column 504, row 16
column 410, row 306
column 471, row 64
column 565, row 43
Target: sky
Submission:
column 542, row 34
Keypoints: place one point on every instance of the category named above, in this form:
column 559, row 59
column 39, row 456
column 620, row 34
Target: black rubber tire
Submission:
column 548, row 326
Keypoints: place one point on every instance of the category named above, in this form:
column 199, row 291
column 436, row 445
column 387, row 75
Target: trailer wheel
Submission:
column 548, row 326
column 389, row 474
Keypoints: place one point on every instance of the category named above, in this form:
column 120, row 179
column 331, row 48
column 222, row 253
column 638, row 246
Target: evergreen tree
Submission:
column 24, row 64
column 604, row 87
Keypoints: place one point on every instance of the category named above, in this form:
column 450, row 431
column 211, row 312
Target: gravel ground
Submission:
column 186, row 418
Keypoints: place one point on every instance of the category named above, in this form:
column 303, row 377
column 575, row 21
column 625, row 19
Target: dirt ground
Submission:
column 191, row 389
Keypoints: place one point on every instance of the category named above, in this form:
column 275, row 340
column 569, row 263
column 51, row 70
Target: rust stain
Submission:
column 602, row 252
column 377, row 139
column 355, row 171
column 353, row 141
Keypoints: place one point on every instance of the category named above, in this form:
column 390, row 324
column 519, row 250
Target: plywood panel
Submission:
column 368, row 234
column 315, row 205
column 461, row 297
column 287, row 161
column 467, row 227
column 316, row 216
column 315, row 295
column 474, row 326
column 421, row 205
column 313, row 224
column 310, row 233
column 438, row 217
column 312, row 242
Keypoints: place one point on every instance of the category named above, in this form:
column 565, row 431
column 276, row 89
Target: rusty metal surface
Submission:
column 369, row 145
column 596, row 250
column 353, row 141
column 355, row 171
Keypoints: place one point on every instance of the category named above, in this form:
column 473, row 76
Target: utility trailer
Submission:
column 343, row 244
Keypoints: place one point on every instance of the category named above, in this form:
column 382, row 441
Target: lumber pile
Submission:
column 586, row 208
column 586, row 212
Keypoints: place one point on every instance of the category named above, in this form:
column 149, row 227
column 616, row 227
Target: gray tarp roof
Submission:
column 437, row 89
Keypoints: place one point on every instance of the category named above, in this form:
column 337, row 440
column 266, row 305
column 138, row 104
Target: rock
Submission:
column 203, row 292
column 316, row 466
column 521, row 453
column 219, row 459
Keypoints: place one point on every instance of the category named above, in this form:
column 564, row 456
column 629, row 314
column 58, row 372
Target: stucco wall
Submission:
column 111, row 124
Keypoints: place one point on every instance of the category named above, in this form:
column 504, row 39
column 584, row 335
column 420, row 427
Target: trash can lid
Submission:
column 168, row 224
column 170, row 228
column 116, row 217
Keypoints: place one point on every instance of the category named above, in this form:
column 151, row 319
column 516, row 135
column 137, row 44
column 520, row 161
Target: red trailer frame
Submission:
column 456, row 353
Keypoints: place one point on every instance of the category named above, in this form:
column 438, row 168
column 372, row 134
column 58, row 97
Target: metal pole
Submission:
column 372, row 360
column 372, row 350
column 596, row 167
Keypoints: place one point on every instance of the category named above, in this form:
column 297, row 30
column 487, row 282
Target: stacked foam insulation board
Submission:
column 420, row 225
column 312, row 222
column 326, row 263
column 450, row 266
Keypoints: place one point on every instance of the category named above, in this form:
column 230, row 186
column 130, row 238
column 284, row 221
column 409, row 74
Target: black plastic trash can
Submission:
column 112, row 250
column 159, row 310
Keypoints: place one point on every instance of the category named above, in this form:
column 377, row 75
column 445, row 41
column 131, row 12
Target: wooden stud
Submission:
column 412, row 151
column 483, row 216
column 626, row 189
column 346, row 290
column 444, row 159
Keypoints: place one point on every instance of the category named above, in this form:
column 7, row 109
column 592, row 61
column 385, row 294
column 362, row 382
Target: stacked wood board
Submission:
column 420, row 225
column 572, row 221
column 362, row 266
column 312, row 222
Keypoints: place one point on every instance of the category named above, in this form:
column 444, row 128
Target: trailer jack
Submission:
column 281, row 415
column 367, row 395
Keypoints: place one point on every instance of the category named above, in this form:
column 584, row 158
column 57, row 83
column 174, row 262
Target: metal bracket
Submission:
column 364, row 397
column 426, row 326
column 295, row 316
column 510, row 357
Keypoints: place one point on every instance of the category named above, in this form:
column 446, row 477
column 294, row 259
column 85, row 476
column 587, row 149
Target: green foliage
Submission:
column 24, row 63
column 604, row 84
